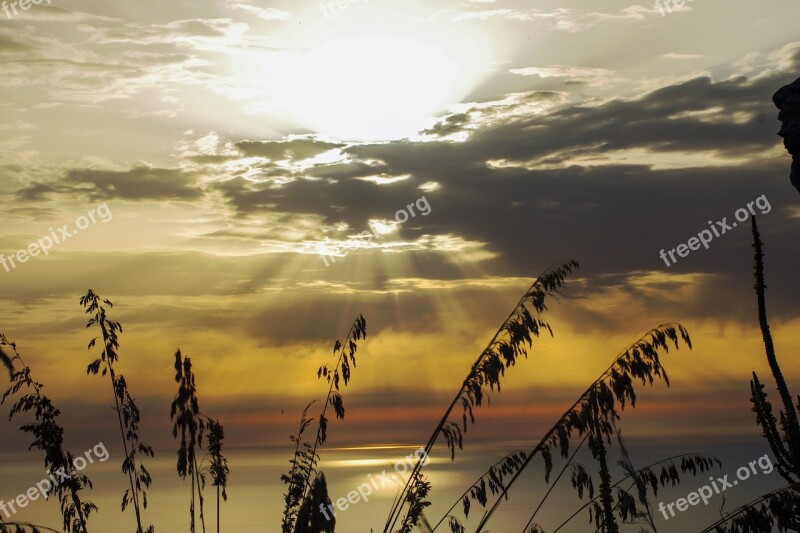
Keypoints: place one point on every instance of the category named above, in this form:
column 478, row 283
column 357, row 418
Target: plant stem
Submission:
column 464, row 494
column 730, row 516
column 345, row 344
column 199, row 494
column 587, row 504
column 75, row 500
column 112, row 375
column 194, row 473
column 609, row 522
column 793, row 427
column 555, row 482
column 554, row 428
column 401, row 500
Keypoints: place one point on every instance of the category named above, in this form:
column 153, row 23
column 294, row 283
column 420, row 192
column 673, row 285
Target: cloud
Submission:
column 269, row 13
column 55, row 14
column 196, row 33
column 138, row 183
column 573, row 176
column 9, row 45
column 38, row 191
column 293, row 149
column 454, row 123
column 561, row 165
column 563, row 19
column 601, row 77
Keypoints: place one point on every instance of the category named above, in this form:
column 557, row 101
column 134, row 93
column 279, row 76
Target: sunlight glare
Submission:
column 367, row 83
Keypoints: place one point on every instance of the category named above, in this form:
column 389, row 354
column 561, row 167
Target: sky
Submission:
column 243, row 178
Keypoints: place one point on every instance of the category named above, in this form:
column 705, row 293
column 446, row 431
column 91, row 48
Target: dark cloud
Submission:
column 138, row 183
column 664, row 121
column 207, row 159
column 295, row 149
column 36, row 191
column 451, row 124
column 657, row 121
column 10, row 45
column 613, row 215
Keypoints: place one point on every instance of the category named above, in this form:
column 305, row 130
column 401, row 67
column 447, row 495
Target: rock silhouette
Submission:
column 787, row 100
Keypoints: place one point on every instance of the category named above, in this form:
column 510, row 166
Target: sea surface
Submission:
column 255, row 492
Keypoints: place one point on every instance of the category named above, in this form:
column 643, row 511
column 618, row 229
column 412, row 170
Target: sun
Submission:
column 370, row 86
column 366, row 79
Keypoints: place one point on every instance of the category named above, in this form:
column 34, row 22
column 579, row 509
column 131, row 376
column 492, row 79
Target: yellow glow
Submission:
column 375, row 74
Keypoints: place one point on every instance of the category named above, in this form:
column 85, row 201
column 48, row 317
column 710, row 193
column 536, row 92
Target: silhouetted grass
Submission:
column 780, row 508
column 593, row 416
column 124, row 405
column 301, row 462
column 49, row 437
column 188, row 421
column 662, row 473
column 219, row 463
column 511, row 341
column 191, row 423
column 304, row 493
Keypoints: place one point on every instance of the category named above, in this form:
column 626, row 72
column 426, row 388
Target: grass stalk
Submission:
column 518, row 328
